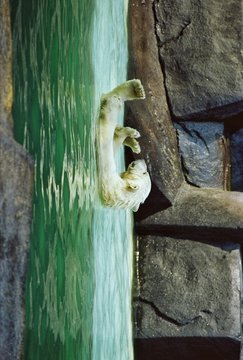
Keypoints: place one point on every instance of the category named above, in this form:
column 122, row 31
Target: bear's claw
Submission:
column 126, row 132
column 133, row 144
column 138, row 89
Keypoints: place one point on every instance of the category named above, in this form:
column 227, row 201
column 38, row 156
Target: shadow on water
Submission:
column 78, row 290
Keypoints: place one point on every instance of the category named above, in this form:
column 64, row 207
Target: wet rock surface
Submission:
column 16, row 186
column 200, row 46
column 16, row 183
column 204, row 151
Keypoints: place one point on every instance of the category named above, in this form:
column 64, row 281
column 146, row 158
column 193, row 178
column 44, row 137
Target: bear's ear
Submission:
column 131, row 186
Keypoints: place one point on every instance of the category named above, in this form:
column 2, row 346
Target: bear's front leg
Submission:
column 129, row 90
column 126, row 136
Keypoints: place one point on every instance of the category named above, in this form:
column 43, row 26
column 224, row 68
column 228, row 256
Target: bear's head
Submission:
column 138, row 183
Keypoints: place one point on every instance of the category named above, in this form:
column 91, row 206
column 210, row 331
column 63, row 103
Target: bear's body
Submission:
column 129, row 189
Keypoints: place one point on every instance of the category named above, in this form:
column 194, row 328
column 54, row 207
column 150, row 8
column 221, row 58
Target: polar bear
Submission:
column 130, row 188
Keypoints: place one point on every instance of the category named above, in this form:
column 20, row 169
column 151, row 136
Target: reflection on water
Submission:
column 113, row 242
column 66, row 53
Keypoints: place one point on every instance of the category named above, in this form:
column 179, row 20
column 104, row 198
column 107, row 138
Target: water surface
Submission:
column 78, row 291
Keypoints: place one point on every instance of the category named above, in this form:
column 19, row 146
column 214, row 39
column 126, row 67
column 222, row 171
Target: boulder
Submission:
column 188, row 290
column 204, row 153
column 198, row 213
column 16, row 187
column 151, row 116
column 200, row 46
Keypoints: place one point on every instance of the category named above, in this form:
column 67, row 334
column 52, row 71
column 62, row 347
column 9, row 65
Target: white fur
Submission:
column 129, row 189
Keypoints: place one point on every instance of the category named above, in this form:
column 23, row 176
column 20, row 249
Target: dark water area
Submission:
column 78, row 290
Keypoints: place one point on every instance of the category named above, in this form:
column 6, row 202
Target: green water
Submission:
column 78, row 291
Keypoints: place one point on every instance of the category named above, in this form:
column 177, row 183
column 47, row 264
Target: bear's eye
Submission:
column 145, row 173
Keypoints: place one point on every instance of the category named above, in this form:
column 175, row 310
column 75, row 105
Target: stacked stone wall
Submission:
column 188, row 55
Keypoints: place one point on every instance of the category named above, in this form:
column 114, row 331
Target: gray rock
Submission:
column 188, row 289
column 236, row 147
column 204, row 153
column 200, row 44
column 16, row 187
column 198, row 213
column 151, row 116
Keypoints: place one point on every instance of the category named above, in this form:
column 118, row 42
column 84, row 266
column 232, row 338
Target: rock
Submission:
column 16, row 187
column 204, row 153
column 151, row 116
column 198, row 213
column 188, row 290
column 236, row 147
column 200, row 45
column 6, row 93
column 188, row 302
